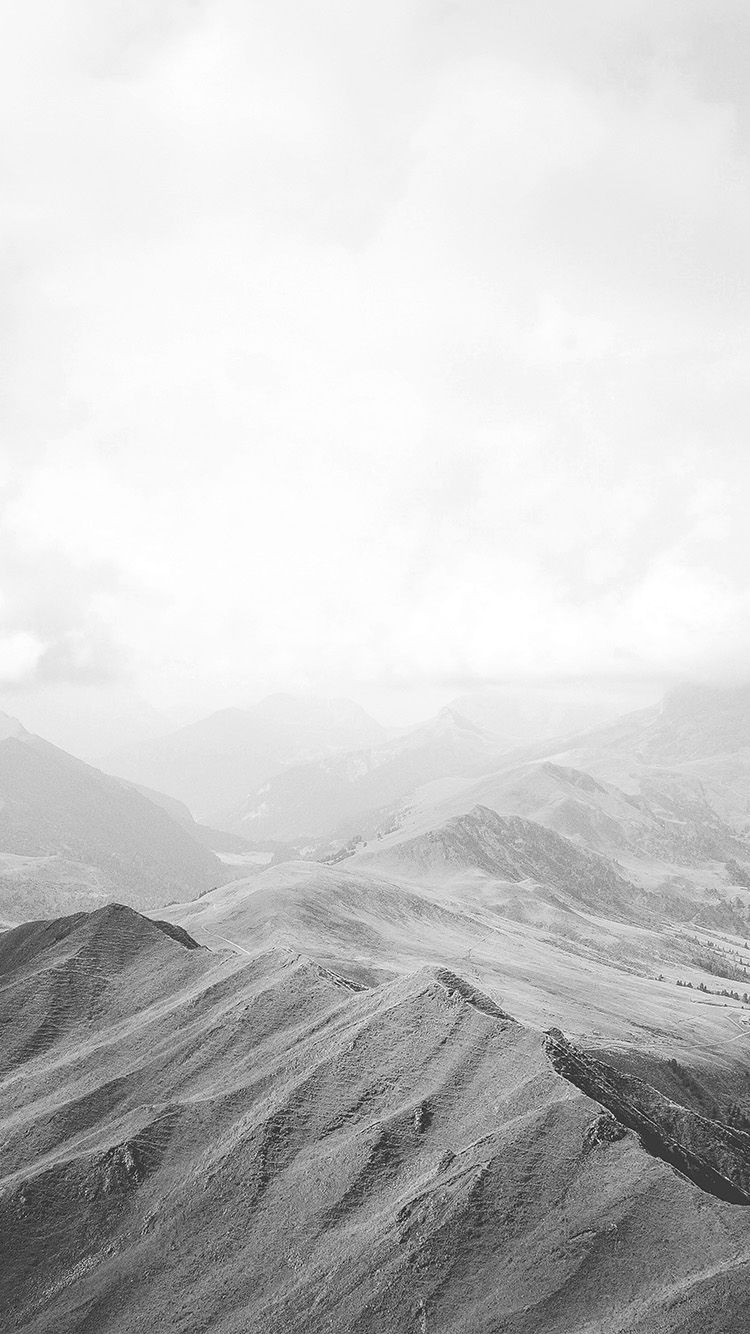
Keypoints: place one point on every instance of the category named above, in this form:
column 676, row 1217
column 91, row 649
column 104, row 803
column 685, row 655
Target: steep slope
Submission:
column 345, row 794
column 654, row 793
column 211, row 765
column 697, row 731
column 265, row 1147
column 218, row 840
column 669, row 818
column 713, row 1155
column 71, row 836
column 509, row 848
column 693, row 722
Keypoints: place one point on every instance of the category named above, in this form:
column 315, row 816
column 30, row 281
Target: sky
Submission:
column 384, row 350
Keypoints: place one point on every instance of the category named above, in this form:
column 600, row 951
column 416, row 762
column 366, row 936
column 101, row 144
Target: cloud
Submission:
column 373, row 344
column 52, row 627
column 19, row 656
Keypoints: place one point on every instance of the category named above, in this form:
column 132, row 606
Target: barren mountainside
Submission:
column 71, row 836
column 510, row 848
column 213, row 764
column 482, row 1069
column 337, row 793
column 253, row 1143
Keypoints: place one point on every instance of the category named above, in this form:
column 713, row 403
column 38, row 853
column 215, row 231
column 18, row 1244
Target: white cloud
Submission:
column 351, row 343
column 19, row 656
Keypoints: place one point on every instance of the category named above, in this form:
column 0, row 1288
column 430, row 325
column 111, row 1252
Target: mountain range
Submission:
column 74, row 837
column 214, row 763
column 342, row 794
column 476, row 1062
column 257, row 1143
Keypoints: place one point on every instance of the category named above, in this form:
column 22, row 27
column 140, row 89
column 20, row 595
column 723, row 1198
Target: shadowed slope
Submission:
column 713, row 1155
column 72, row 837
column 512, row 849
column 83, row 969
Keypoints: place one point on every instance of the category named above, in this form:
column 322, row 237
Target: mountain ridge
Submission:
column 258, row 1146
column 70, row 834
column 213, row 763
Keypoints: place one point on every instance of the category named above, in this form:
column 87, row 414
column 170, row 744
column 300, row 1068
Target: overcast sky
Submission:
column 367, row 347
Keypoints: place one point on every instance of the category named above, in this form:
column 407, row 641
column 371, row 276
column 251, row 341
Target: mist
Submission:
column 382, row 354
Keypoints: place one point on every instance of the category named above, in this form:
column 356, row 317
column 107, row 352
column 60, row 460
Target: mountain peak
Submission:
column 126, row 930
column 10, row 727
column 450, row 717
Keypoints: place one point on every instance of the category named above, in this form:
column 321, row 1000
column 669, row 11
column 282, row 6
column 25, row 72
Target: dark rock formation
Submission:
column 713, row 1155
column 604, row 1129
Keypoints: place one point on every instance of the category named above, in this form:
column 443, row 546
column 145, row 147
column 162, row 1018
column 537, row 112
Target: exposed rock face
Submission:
column 713, row 1155
column 604, row 1129
column 120, row 1169
column 461, row 989
column 515, row 849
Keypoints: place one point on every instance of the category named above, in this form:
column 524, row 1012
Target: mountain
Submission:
column 73, row 837
column 11, row 727
column 220, row 841
column 511, row 849
column 254, row 1143
column 693, row 722
column 344, row 795
column 90, row 720
column 213, row 764
column 695, row 729
column 662, row 794
column 670, row 817
column 684, row 766
column 568, row 942
column 523, row 715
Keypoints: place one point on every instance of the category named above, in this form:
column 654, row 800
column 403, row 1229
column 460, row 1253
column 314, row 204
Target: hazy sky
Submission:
column 350, row 345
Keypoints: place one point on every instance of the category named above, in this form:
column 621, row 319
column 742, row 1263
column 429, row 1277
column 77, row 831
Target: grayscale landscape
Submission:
column 482, row 1066
column 374, row 667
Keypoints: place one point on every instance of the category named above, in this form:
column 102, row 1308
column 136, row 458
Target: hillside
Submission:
column 73, row 837
column 700, row 732
column 342, row 795
column 244, row 1143
column 541, row 951
column 679, row 827
column 213, row 764
column 670, row 817
column 512, row 849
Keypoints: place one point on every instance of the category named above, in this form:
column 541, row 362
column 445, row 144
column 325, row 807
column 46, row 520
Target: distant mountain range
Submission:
column 477, row 1063
column 511, row 849
column 343, row 794
column 213, row 764
column 73, row 837
column 662, row 794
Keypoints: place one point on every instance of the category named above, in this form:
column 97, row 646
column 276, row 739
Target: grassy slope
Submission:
column 247, row 1143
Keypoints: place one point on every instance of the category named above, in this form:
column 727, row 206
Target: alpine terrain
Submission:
column 481, row 1066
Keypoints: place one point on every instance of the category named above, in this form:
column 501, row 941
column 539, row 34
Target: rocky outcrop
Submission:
column 713, row 1155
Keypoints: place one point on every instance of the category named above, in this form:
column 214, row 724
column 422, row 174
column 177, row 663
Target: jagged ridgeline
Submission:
column 250, row 1141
